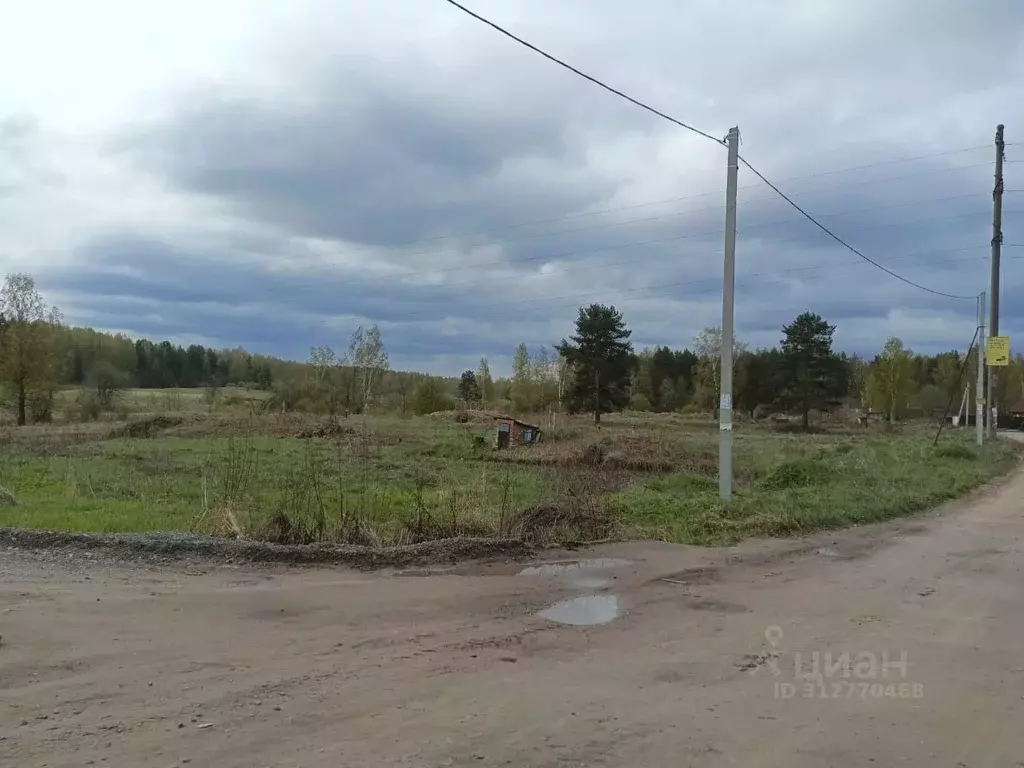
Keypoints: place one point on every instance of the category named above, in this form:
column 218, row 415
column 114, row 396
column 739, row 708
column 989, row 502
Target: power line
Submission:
column 683, row 212
column 708, row 136
column 584, row 75
column 845, row 244
column 616, row 209
column 684, row 236
column 574, row 268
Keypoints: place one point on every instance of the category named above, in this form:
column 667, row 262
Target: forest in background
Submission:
column 40, row 354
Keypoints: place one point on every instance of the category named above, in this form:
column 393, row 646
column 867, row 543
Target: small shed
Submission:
column 512, row 431
column 1016, row 420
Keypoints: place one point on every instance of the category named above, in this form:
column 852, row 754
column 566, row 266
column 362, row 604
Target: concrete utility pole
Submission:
column 997, row 242
column 728, row 296
column 979, row 400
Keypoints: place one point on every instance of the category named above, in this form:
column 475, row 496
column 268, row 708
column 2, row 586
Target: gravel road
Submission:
column 647, row 655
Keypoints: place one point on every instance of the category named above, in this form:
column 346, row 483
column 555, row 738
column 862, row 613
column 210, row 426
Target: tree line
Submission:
column 595, row 371
column 598, row 371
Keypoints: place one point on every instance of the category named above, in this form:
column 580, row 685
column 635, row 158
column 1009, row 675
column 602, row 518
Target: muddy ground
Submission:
column 678, row 657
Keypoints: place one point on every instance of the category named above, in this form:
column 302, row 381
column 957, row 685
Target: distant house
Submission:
column 512, row 431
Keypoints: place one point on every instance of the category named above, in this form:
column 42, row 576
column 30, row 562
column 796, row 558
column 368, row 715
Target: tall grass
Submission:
column 850, row 484
column 378, row 480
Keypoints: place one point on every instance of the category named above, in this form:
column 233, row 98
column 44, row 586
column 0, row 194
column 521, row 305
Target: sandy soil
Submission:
column 706, row 660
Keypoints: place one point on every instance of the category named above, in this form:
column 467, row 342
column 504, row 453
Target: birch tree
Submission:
column 369, row 361
column 28, row 361
column 891, row 382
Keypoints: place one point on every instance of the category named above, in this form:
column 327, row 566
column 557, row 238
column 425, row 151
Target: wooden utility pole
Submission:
column 997, row 242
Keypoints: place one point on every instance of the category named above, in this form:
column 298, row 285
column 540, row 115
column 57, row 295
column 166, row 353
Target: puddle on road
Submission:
column 590, row 564
column 588, row 582
column 585, row 611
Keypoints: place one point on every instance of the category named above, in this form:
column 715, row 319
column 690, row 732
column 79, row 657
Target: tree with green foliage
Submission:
column 891, row 382
column 931, row 397
column 28, row 359
column 708, row 374
column 483, row 378
column 857, row 370
column 469, row 389
column 601, row 357
column 522, row 380
column 429, row 396
column 643, row 391
column 812, row 376
column 757, row 381
column 544, row 377
column 369, row 362
column 947, row 373
column 677, row 368
column 107, row 380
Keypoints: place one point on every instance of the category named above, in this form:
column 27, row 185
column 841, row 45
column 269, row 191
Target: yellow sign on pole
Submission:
column 998, row 352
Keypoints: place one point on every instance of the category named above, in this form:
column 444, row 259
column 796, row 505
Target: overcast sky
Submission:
column 272, row 174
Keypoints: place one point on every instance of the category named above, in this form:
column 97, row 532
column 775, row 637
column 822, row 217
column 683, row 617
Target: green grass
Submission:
column 129, row 402
column 166, row 483
column 850, row 483
column 386, row 480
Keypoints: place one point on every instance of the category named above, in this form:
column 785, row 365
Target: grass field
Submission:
column 380, row 480
column 135, row 402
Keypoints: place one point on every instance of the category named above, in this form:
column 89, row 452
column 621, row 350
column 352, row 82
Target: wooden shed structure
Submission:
column 1016, row 420
column 513, row 431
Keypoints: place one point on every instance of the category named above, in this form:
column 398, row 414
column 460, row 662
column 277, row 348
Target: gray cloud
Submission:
column 393, row 178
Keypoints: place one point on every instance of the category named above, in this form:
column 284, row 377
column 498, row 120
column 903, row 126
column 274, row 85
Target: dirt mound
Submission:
column 329, row 430
column 637, row 455
column 570, row 520
column 7, row 498
column 178, row 546
column 146, row 427
column 463, row 416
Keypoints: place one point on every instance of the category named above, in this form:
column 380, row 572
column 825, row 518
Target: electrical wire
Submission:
column 584, row 75
column 959, row 377
column 616, row 209
column 657, row 217
column 462, row 267
column 845, row 244
column 708, row 136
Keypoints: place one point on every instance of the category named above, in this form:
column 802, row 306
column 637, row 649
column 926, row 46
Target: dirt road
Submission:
column 705, row 658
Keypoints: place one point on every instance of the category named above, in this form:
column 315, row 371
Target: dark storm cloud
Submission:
column 379, row 158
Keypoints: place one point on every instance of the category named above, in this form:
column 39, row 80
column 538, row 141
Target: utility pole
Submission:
column 997, row 242
column 728, row 296
column 979, row 400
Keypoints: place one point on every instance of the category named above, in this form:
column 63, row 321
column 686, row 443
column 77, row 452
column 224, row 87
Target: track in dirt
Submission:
column 121, row 664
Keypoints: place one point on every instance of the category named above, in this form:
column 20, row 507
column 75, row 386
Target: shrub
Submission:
column 107, row 380
column 40, row 407
column 639, row 402
column 172, row 401
column 794, row 474
column 7, row 498
column 954, row 451
column 429, row 397
column 88, row 405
